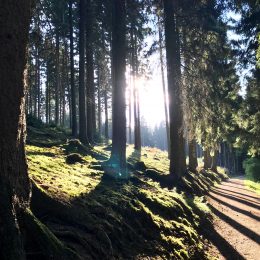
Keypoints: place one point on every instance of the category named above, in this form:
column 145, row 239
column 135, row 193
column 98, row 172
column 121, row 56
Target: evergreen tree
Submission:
column 118, row 153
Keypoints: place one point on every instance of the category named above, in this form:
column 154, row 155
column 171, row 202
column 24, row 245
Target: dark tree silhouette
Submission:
column 177, row 156
column 72, row 75
column 82, row 96
column 118, row 155
column 14, row 181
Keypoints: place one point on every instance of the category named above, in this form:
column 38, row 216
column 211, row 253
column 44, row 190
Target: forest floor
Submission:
column 145, row 217
column 236, row 215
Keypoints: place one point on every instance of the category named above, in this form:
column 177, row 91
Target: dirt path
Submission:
column 236, row 220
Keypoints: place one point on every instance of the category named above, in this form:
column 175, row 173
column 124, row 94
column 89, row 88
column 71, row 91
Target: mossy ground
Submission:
column 139, row 218
column 253, row 185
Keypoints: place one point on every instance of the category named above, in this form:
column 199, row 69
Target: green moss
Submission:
column 252, row 185
column 39, row 237
column 56, row 176
column 129, row 219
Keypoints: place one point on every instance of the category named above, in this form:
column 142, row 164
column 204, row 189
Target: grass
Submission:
column 253, row 185
column 138, row 218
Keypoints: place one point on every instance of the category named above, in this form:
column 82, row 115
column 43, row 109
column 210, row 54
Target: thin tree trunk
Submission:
column 164, row 87
column 30, row 89
column 49, row 103
column 106, row 115
column 177, row 156
column 38, row 85
column 99, row 102
column 35, row 85
column 82, row 101
column 57, row 84
column 134, row 65
column 63, row 83
column 91, row 118
column 193, row 161
column 207, row 159
column 130, row 108
column 72, row 76
column 47, row 93
column 214, row 161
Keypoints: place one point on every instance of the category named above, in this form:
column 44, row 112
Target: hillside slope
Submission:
column 101, row 218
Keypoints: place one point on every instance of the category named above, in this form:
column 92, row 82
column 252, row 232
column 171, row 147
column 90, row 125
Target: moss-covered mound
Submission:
column 101, row 218
column 46, row 136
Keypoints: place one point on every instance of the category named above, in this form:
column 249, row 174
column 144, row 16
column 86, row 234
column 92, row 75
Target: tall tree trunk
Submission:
column 57, row 83
column 177, row 156
column 134, row 65
column 106, row 115
column 14, row 181
column 130, row 109
column 164, row 87
column 35, row 85
column 193, row 161
column 47, row 93
column 72, row 76
column 118, row 154
column 214, row 161
column 207, row 159
column 82, row 96
column 91, row 120
column 38, row 79
column 30, row 89
column 62, row 87
column 99, row 102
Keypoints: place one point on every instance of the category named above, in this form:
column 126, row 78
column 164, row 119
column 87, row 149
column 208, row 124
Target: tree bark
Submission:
column 106, row 114
column 72, row 76
column 214, row 161
column 130, row 108
column 38, row 84
column 14, row 181
column 118, row 154
column 177, row 156
column 47, row 93
column 91, row 118
column 82, row 96
column 99, row 102
column 193, row 161
column 57, row 84
column 164, row 87
column 134, row 66
column 207, row 159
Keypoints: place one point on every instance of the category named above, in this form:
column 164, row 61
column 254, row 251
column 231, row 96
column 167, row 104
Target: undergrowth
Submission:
column 139, row 218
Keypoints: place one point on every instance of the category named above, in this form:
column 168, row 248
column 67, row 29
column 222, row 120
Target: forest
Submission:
column 130, row 129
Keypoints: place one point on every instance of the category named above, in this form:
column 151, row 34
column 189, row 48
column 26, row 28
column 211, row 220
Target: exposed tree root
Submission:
column 80, row 227
column 42, row 241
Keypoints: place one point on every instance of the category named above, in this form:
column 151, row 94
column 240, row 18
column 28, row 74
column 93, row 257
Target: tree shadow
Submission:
column 192, row 183
column 164, row 180
column 135, row 156
column 243, row 201
column 233, row 186
column 243, row 194
column 242, row 229
column 227, row 250
column 48, row 154
column 117, row 225
column 220, row 191
column 245, row 212
column 235, row 182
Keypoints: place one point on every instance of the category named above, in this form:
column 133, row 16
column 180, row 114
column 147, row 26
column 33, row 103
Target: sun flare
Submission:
column 151, row 100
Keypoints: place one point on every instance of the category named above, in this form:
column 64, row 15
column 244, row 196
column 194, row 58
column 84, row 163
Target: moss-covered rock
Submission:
column 74, row 158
